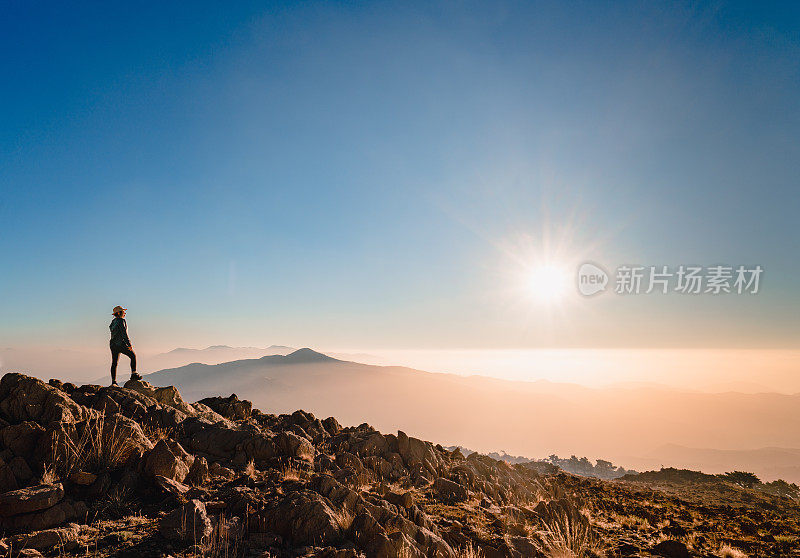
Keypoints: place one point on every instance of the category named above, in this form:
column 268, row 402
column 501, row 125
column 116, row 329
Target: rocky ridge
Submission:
column 138, row 471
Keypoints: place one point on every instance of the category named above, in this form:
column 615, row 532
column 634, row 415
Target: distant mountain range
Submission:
column 214, row 354
column 279, row 349
column 630, row 426
column 93, row 365
column 217, row 354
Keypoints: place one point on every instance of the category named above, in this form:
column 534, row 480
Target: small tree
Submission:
column 742, row 478
column 783, row 488
column 604, row 465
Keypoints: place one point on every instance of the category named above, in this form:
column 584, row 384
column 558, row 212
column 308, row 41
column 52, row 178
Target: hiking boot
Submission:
column 135, row 376
column 114, row 383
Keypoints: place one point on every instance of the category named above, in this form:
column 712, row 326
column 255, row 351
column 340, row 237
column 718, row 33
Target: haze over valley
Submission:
column 638, row 427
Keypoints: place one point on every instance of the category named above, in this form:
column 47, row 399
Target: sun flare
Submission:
column 548, row 283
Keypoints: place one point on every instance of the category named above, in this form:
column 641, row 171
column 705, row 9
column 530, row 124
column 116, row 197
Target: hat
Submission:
column 118, row 309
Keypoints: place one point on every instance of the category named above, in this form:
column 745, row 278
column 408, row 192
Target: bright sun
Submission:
column 548, row 283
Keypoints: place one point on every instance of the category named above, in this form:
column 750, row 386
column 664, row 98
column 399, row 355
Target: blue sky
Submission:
column 370, row 174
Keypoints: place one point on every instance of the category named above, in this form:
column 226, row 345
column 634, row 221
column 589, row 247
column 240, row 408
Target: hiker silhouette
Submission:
column 121, row 344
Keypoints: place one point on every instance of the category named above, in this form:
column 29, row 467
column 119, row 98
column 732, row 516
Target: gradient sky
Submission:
column 372, row 175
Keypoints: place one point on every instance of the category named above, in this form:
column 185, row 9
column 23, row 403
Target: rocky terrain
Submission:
column 138, row 471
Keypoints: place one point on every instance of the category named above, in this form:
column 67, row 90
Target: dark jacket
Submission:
column 119, row 333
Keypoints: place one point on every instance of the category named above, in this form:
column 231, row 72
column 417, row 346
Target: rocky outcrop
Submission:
column 293, row 480
column 27, row 399
column 231, row 407
column 221, row 478
column 170, row 397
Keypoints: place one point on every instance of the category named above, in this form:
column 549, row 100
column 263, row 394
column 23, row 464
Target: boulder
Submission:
column 168, row 459
column 303, row 517
column 292, row 445
column 170, row 397
column 332, row 426
column 371, row 537
column 63, row 538
column 162, row 417
column 347, row 460
column 171, row 486
column 22, row 472
column 374, row 443
column 417, row 453
column 341, row 496
column 256, row 447
column 404, row 500
column 207, row 414
column 198, row 472
column 218, row 470
column 188, row 523
column 22, row 438
column 165, row 395
column 396, row 468
column 31, row 499
column 450, row 491
column 219, row 441
column 113, row 399
column 65, row 510
column 523, row 545
column 82, row 478
column 231, row 407
column 24, row 398
column 8, row 481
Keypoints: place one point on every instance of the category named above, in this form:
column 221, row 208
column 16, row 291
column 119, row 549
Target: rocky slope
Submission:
column 137, row 471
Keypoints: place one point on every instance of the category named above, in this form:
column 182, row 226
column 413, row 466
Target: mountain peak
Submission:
column 307, row 355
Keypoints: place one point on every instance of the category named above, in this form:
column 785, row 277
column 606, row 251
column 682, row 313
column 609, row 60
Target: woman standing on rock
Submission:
column 120, row 343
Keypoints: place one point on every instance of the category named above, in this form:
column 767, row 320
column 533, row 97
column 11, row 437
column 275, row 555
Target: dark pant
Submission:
column 115, row 352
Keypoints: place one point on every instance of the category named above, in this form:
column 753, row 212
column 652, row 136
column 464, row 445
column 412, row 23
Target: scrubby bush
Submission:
column 742, row 478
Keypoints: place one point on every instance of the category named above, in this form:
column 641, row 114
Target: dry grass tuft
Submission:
column 344, row 518
column 223, row 543
column 156, row 433
column 469, row 551
column 563, row 536
column 727, row 551
column 49, row 475
column 290, row 473
column 93, row 445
